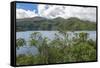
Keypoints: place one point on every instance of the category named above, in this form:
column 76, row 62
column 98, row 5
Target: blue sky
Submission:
column 27, row 6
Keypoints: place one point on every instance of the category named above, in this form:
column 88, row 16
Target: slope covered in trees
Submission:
column 40, row 23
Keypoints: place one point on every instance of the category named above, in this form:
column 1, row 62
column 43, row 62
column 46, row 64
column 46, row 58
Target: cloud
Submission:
column 21, row 13
column 85, row 13
column 53, row 11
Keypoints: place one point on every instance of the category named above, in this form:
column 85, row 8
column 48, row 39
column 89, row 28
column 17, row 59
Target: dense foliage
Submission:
column 59, row 50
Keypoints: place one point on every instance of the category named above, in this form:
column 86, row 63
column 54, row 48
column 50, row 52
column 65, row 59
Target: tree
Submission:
column 20, row 42
column 83, row 36
column 83, row 52
column 41, row 43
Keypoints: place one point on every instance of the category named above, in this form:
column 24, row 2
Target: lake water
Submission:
column 50, row 34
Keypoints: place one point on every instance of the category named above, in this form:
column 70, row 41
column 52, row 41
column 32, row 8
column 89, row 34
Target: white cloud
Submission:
column 68, row 11
column 53, row 11
column 21, row 13
column 50, row 12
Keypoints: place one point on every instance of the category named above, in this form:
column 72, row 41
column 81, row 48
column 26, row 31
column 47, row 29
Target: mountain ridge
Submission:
column 41, row 23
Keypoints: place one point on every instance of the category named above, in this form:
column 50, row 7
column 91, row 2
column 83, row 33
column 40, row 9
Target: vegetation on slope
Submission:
column 40, row 23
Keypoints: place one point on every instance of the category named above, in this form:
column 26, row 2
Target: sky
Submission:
column 28, row 10
column 26, row 6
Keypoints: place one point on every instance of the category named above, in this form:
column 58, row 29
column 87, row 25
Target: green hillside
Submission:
column 40, row 23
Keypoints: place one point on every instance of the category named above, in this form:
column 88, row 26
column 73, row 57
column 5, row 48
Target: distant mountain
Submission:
column 41, row 23
column 58, row 18
column 37, row 18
